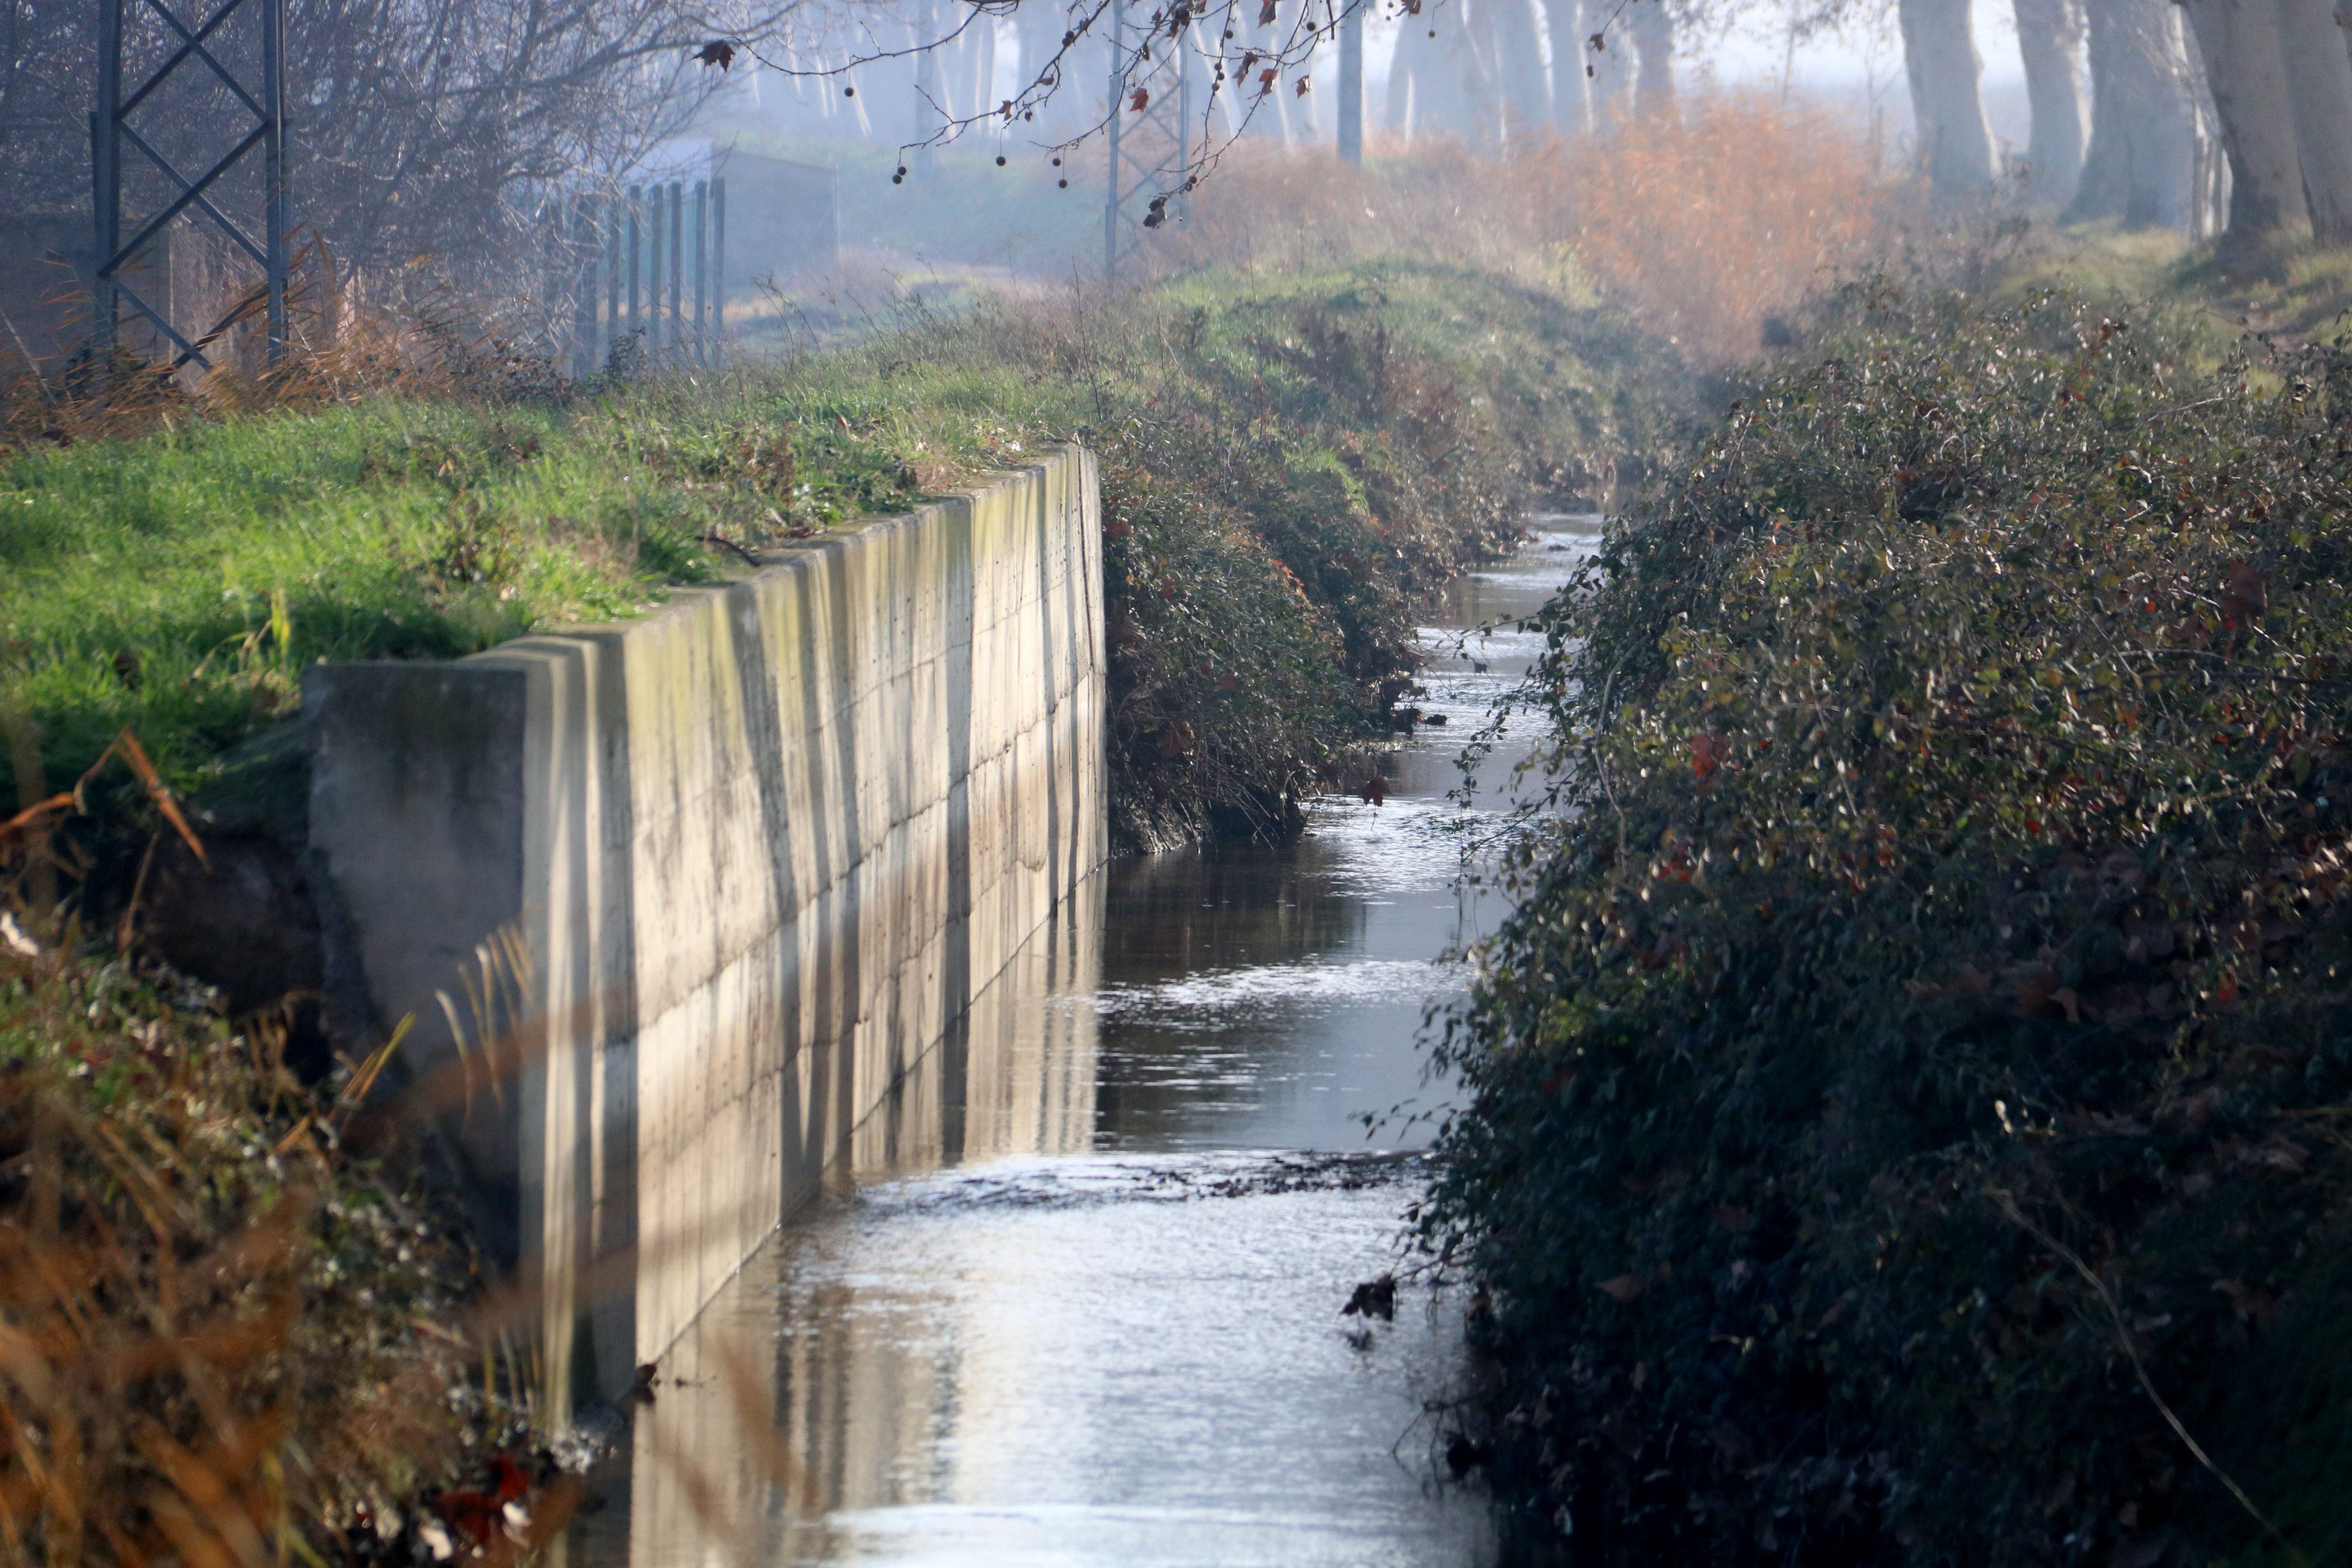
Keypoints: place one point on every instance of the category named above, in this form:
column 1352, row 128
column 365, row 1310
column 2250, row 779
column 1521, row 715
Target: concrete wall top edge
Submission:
column 793, row 555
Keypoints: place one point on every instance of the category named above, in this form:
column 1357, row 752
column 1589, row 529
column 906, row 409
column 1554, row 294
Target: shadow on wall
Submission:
column 749, row 1439
column 726, row 887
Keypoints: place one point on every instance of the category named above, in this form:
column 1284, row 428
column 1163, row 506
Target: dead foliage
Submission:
column 1701, row 226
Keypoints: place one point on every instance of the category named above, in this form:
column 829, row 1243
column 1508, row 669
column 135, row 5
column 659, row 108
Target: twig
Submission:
column 2122, row 1335
column 721, row 539
column 48, row 396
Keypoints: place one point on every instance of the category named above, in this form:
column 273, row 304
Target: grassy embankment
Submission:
column 1289, row 461
column 1910, row 1107
column 2285, row 295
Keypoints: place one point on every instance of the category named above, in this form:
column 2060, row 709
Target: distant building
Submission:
column 783, row 218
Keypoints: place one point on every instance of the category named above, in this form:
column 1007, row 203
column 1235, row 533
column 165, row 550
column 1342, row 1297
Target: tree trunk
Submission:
column 1040, row 36
column 1469, row 55
column 1264, row 114
column 1571, row 109
column 1652, row 28
column 1437, row 101
column 1611, row 83
column 2141, row 166
column 1940, row 58
column 1518, row 59
column 2049, row 32
column 1396, row 115
column 2240, row 43
column 2320, row 96
column 983, row 67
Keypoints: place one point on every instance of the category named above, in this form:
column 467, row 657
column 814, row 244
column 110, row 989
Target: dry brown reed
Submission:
column 1699, row 225
column 230, row 1334
column 411, row 331
column 217, row 1336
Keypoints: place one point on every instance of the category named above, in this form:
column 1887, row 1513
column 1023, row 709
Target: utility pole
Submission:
column 1351, row 83
column 111, row 129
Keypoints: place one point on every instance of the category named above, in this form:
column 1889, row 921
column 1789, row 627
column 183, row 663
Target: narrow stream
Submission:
column 1087, row 1311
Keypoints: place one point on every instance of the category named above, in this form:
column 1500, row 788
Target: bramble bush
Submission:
column 224, row 1334
column 1288, row 471
column 1906, row 1116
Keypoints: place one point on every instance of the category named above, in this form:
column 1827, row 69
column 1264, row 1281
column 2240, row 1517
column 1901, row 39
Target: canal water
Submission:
column 1085, row 1307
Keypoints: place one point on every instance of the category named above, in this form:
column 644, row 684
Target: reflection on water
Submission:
column 1078, row 1302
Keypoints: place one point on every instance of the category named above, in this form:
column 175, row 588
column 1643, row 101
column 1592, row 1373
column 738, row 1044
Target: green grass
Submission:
column 2290, row 292
column 176, row 584
column 1357, row 435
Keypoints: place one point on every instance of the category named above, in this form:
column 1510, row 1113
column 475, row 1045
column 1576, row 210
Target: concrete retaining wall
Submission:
column 675, row 905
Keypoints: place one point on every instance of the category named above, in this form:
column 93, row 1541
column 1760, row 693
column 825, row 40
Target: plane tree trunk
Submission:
column 2141, row 165
column 1611, row 85
column 2319, row 97
column 2239, row 41
column 1572, row 111
column 1518, row 64
column 1652, row 28
column 1939, row 55
column 2049, row 34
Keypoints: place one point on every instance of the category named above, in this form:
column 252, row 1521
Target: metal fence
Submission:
column 644, row 271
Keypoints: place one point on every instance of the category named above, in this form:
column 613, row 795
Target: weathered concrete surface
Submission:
column 677, row 905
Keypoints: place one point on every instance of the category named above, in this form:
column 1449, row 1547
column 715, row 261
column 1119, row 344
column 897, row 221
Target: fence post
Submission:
column 676, row 267
column 585, row 248
column 717, row 258
column 654, row 218
column 552, row 288
column 1351, row 84
column 702, row 270
column 1113, row 195
column 653, row 265
column 636, row 202
column 276, row 209
column 612, row 276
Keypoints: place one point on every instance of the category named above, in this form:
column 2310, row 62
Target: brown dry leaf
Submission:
column 1624, row 1290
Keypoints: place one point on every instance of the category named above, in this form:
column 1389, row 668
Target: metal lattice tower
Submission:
column 111, row 129
column 1152, row 148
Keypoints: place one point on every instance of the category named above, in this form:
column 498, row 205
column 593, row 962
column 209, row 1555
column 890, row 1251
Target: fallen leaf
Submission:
column 1625, row 1289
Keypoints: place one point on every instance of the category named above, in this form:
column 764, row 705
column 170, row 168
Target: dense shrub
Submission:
column 223, row 1333
column 1291, row 470
column 1909, row 1104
